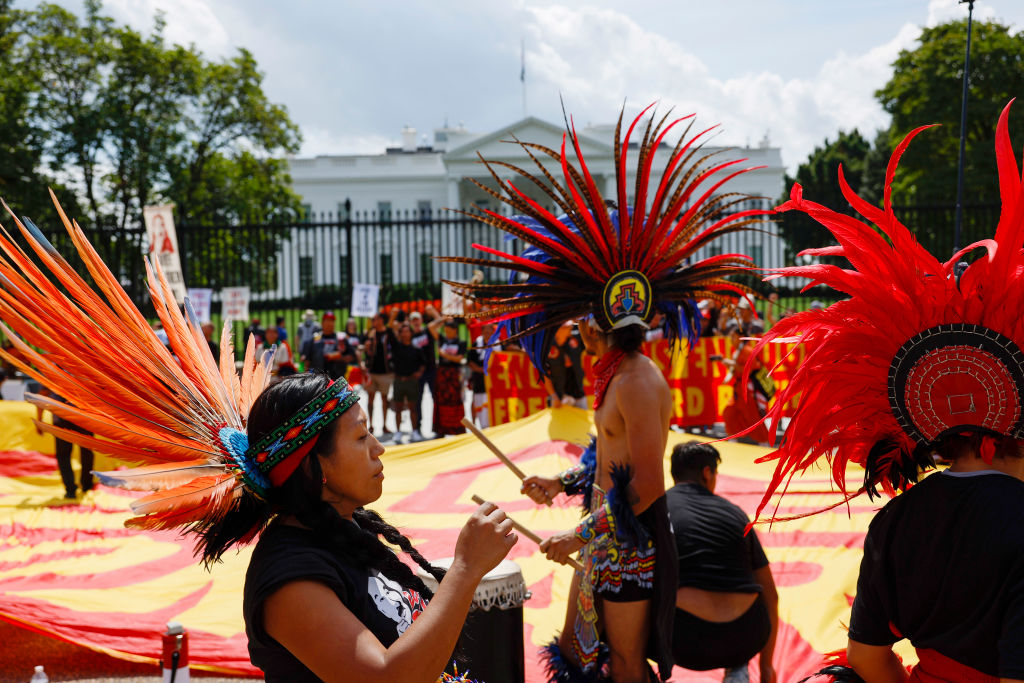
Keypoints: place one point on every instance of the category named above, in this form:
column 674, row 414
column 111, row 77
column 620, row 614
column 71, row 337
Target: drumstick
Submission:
column 468, row 424
column 529, row 534
column 494, row 449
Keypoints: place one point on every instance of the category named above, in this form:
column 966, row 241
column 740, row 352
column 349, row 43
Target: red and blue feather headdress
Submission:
column 617, row 260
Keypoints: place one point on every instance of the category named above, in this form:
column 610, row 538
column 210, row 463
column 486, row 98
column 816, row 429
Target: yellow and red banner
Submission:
column 72, row 571
column 699, row 390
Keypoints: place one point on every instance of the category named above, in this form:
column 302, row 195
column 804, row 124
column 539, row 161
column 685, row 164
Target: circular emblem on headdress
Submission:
column 957, row 377
column 627, row 300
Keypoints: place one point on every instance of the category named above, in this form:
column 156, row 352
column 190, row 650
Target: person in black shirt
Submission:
column 477, row 377
column 424, row 338
column 62, row 449
column 565, row 368
column 727, row 604
column 944, row 566
column 449, row 408
column 408, row 365
column 380, row 344
column 327, row 351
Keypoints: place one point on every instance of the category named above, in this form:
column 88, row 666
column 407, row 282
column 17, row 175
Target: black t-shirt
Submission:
column 336, row 343
column 424, row 341
column 384, row 344
column 477, row 380
column 406, row 359
column 714, row 554
column 454, row 347
column 944, row 565
column 286, row 553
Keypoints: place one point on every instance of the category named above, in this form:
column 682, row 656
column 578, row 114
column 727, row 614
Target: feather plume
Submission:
column 139, row 400
column 896, row 290
column 568, row 259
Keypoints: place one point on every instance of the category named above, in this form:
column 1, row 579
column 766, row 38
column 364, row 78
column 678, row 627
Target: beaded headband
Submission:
column 271, row 460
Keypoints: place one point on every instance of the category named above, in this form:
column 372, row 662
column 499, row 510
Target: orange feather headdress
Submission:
column 919, row 351
column 173, row 408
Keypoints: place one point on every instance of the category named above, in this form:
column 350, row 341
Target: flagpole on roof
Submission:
column 522, row 72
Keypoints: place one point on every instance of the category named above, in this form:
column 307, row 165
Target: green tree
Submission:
column 926, row 87
column 228, row 121
column 819, row 178
column 22, row 179
column 135, row 121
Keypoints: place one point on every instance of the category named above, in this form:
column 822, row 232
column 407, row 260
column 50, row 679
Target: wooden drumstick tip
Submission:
column 526, row 532
column 468, row 424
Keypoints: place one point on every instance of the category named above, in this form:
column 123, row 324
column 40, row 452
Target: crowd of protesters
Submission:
column 401, row 358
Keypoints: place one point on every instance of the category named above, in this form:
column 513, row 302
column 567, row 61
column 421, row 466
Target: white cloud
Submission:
column 187, row 22
column 606, row 55
column 941, row 11
column 320, row 141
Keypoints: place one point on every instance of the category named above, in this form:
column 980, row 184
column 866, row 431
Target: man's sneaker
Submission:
column 416, row 436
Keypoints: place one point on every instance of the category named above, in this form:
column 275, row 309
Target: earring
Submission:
column 324, row 480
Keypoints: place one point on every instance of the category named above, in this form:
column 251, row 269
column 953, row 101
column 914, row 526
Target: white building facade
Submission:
column 422, row 180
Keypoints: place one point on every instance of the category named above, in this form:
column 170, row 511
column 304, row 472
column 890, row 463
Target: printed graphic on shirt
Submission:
column 397, row 604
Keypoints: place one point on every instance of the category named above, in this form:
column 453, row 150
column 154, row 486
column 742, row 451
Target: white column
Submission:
column 454, row 198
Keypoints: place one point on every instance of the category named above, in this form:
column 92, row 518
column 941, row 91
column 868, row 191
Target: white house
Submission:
column 419, row 180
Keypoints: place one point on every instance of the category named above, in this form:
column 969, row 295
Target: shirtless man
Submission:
column 632, row 420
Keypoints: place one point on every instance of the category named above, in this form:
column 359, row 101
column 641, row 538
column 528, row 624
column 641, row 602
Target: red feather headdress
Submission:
column 915, row 354
column 620, row 263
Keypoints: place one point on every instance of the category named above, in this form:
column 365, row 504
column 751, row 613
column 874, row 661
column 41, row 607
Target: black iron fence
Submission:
column 313, row 263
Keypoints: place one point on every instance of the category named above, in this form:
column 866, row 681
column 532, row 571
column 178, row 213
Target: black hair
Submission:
column 629, row 338
column 689, row 460
column 953, row 446
column 300, row 496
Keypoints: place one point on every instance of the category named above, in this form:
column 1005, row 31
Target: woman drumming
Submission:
column 229, row 460
column 322, row 589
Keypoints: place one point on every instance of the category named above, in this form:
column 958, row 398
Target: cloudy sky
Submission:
column 353, row 73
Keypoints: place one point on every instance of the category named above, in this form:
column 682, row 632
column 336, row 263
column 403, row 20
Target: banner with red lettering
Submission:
column 701, row 384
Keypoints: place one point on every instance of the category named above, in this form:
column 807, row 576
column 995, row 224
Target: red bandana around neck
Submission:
column 604, row 370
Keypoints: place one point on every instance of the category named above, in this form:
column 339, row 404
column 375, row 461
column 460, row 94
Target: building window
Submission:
column 426, row 268
column 424, row 209
column 342, row 212
column 307, row 213
column 384, row 212
column 714, row 251
column 757, row 254
column 385, row 269
column 305, row 274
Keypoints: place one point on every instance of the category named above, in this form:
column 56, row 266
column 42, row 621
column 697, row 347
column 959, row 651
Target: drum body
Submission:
column 491, row 645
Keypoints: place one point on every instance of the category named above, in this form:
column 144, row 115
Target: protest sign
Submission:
column 201, row 300
column 365, row 299
column 163, row 246
column 235, row 303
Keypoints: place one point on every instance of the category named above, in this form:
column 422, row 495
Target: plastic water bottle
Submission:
column 39, row 676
